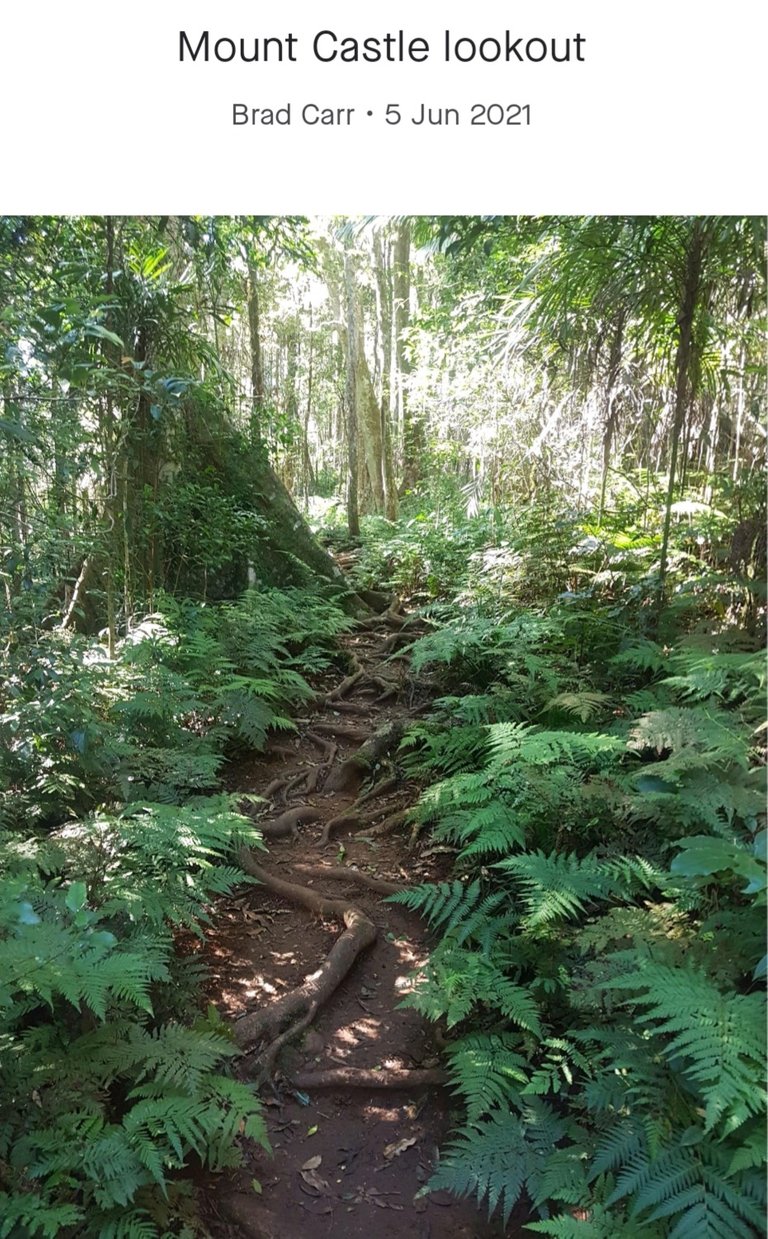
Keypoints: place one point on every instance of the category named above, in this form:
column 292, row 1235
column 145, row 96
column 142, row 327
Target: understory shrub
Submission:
column 102, row 1102
column 599, row 962
column 112, row 838
column 188, row 683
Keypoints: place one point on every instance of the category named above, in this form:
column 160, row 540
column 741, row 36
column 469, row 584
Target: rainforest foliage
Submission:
column 547, row 436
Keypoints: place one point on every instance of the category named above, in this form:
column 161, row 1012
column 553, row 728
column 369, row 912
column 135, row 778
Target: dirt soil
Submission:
column 348, row 1160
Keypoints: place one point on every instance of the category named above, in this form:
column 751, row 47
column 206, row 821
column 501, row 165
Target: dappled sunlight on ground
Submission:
column 358, row 1031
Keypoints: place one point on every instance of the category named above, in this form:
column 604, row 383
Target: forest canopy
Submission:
column 523, row 456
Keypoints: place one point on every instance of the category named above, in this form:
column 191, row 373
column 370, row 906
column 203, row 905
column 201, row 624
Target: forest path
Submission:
column 349, row 1159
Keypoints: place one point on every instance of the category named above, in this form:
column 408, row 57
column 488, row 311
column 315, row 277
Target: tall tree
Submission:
column 384, row 290
column 412, row 428
column 685, row 380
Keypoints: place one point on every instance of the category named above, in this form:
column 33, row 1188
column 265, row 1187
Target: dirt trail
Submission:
column 349, row 1157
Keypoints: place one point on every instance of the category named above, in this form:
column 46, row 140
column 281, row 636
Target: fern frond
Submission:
column 36, row 1215
column 497, row 1156
column 718, row 1038
column 445, row 904
column 486, row 1071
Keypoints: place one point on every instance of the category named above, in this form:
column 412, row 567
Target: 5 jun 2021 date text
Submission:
column 493, row 115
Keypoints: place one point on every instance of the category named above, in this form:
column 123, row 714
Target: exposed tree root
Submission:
column 344, row 873
column 384, row 684
column 376, row 599
column 327, row 746
column 363, row 821
column 379, row 789
column 383, row 698
column 391, row 618
column 269, row 1028
column 272, row 789
column 270, row 1022
column 266, row 1061
column 386, row 827
column 281, row 750
column 349, row 818
column 298, row 782
column 348, row 707
column 350, row 774
column 341, row 732
column 318, row 772
column 349, row 682
column 387, row 689
column 395, row 641
column 288, row 823
column 252, row 1219
column 366, row 1077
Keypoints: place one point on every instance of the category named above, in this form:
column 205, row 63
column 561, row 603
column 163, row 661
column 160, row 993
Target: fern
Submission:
column 120, row 1108
column 687, row 1181
column 685, row 731
column 732, row 678
column 458, row 979
column 637, row 970
column 561, row 887
column 135, row 1224
column 719, row 1038
column 486, row 1071
column 595, row 1222
column 585, row 705
column 498, row 1156
column 510, row 742
column 36, row 1215
column 639, row 654
column 447, row 904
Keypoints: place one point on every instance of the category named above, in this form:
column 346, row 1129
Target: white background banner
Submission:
column 652, row 107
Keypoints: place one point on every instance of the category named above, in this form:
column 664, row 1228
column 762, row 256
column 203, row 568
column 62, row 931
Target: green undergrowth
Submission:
column 188, row 685
column 596, row 763
column 115, row 836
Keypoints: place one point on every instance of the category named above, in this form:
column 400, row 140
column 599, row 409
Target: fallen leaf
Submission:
column 312, row 1131
column 314, row 1180
column 398, row 1147
column 312, row 1163
column 385, row 1204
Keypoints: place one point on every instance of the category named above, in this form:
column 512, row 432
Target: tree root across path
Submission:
column 269, row 1028
column 294, row 1011
column 341, row 731
column 288, row 823
column 364, row 823
column 349, row 776
column 369, row 1077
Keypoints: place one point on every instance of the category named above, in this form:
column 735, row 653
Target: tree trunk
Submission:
column 307, row 472
column 412, row 430
column 287, row 533
column 257, row 363
column 683, row 366
column 611, row 410
column 366, row 406
column 291, row 402
column 348, row 401
column 384, row 297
